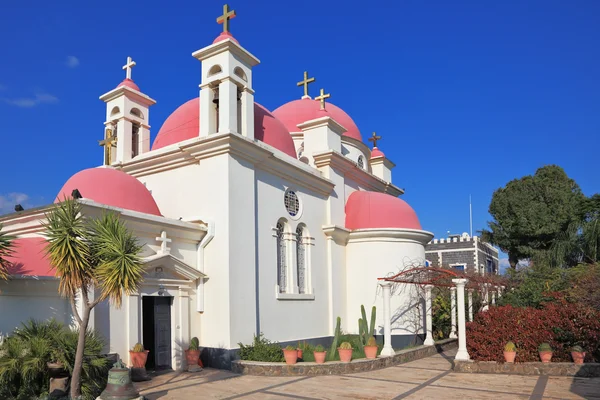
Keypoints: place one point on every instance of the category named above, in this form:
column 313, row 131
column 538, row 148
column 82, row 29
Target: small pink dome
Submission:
column 29, row 258
column 130, row 84
column 372, row 210
column 224, row 36
column 298, row 111
column 377, row 153
column 110, row 187
column 184, row 124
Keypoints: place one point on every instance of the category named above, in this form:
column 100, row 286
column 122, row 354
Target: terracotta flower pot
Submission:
column 371, row 352
column 345, row 354
column 545, row 356
column 319, row 356
column 56, row 370
column 509, row 356
column 299, row 353
column 192, row 357
column 578, row 357
column 138, row 358
column 291, row 356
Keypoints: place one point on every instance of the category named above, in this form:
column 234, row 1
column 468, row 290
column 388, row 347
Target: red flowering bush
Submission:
column 560, row 324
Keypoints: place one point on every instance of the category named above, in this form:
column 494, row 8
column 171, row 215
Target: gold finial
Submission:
column 108, row 143
column 224, row 19
column 322, row 98
column 305, row 83
column 374, row 138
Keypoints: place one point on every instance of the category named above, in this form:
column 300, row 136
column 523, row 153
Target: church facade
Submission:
column 252, row 221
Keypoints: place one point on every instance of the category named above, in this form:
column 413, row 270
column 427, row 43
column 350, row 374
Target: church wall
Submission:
column 353, row 153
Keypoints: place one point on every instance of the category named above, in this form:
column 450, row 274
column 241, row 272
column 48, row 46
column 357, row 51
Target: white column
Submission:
column 248, row 113
column 387, row 350
column 493, row 297
column 462, row 353
column 207, row 111
column 428, row 317
column 133, row 323
column 470, row 305
column 500, row 289
column 228, row 106
column 182, row 328
column 453, row 311
column 484, row 295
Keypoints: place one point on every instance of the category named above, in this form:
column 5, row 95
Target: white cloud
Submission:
column 72, row 62
column 28, row 102
column 9, row 201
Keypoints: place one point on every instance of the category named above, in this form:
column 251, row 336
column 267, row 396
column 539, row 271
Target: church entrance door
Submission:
column 157, row 330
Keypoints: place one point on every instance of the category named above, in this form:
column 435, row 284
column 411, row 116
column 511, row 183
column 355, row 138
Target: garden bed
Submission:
column 529, row 368
column 337, row 367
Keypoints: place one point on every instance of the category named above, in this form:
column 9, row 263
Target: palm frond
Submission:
column 6, row 250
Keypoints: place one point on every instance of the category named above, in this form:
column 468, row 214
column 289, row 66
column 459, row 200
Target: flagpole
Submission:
column 470, row 216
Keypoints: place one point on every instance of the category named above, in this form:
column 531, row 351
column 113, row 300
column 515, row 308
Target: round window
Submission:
column 292, row 203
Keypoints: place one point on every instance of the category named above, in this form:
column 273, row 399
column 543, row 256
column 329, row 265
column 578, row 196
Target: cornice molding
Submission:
column 382, row 160
column 130, row 93
column 390, row 235
column 223, row 46
column 325, row 121
column 338, row 233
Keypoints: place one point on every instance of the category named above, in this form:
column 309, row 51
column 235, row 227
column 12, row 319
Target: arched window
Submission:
column 240, row 72
column 137, row 113
column 301, row 259
column 215, row 69
column 114, row 111
column 281, row 258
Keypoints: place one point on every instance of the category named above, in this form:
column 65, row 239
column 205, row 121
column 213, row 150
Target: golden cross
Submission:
column 108, row 143
column 374, row 138
column 305, row 83
column 322, row 98
column 224, row 19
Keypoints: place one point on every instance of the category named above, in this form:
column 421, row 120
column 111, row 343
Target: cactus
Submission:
column 319, row 349
column 194, row 344
column 346, row 346
column 544, row 347
column 373, row 317
column 336, row 339
column 365, row 331
column 372, row 341
column 577, row 349
column 138, row 348
column 289, row 348
column 510, row 347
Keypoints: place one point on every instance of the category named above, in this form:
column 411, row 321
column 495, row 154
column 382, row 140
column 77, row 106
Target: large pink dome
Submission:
column 29, row 257
column 110, row 187
column 372, row 210
column 184, row 123
column 299, row 111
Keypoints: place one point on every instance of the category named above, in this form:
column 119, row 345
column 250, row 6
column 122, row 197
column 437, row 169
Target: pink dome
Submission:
column 184, row 123
column 377, row 153
column 29, row 258
column 110, row 187
column 372, row 210
column 224, row 36
column 130, row 84
column 299, row 111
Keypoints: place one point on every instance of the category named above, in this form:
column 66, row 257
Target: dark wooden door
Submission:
column 162, row 332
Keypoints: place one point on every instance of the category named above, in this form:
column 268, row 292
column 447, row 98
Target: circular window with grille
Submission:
column 292, row 203
column 361, row 162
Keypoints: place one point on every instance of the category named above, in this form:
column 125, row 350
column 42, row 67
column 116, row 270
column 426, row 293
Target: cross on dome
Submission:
column 108, row 143
column 224, row 19
column 322, row 98
column 305, row 83
column 164, row 241
column 127, row 67
column 374, row 138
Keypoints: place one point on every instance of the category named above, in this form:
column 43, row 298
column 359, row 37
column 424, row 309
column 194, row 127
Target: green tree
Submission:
column 6, row 249
column 529, row 213
column 90, row 255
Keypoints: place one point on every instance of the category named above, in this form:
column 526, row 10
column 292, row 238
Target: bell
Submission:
column 119, row 386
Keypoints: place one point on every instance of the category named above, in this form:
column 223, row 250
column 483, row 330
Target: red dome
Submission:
column 29, row 258
column 372, row 210
column 377, row 153
column 184, row 123
column 130, row 84
column 299, row 111
column 110, row 187
column 224, row 36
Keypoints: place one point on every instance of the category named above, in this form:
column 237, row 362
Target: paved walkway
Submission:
column 429, row 378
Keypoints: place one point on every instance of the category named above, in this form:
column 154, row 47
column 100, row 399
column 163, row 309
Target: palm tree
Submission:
column 6, row 249
column 89, row 255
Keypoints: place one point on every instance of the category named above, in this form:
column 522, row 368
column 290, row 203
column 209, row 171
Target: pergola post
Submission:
column 484, row 293
column 453, row 312
column 470, row 291
column 462, row 353
column 428, row 317
column 493, row 296
column 387, row 350
column 500, row 289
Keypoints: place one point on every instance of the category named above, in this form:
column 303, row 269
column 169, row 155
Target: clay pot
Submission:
column 370, row 352
column 291, row 356
column 509, row 356
column 578, row 356
column 138, row 358
column 545, row 356
column 192, row 357
column 345, row 355
column 299, row 353
column 320, row 356
column 56, row 370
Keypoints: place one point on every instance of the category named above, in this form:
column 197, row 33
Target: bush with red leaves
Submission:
column 561, row 324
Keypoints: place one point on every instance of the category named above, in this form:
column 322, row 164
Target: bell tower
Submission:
column 226, row 94
column 127, row 129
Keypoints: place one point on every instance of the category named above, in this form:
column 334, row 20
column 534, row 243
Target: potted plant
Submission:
column 319, row 354
column 345, row 351
column 371, row 348
column 545, row 352
column 56, row 369
column 578, row 354
column 192, row 355
column 138, row 356
column 291, row 355
column 299, row 350
column 510, row 352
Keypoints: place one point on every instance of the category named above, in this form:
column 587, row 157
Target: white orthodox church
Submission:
column 251, row 221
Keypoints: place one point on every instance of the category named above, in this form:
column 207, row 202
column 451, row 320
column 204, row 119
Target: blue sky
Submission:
column 466, row 94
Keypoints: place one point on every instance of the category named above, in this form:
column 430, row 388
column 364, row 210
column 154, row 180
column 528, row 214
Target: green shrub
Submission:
column 261, row 349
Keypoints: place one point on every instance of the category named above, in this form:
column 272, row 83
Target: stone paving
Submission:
column 428, row 378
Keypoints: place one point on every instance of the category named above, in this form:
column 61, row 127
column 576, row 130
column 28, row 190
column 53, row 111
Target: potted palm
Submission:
column 192, row 354
column 319, row 354
column 291, row 355
column 138, row 356
column 300, row 349
column 345, row 351
column 56, row 368
column 578, row 354
column 545, row 352
column 371, row 348
column 510, row 352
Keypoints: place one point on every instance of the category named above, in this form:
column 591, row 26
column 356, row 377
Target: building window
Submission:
column 490, row 266
column 361, row 162
column 301, row 259
column 459, row 267
column 292, row 203
column 281, row 258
